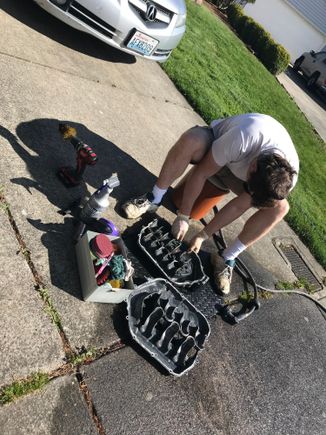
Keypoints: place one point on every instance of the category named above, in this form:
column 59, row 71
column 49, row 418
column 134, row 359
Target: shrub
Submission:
column 234, row 13
column 276, row 58
column 258, row 32
column 240, row 25
column 247, row 29
column 262, row 43
column 253, row 32
column 272, row 55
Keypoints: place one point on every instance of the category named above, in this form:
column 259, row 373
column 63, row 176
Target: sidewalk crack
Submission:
column 112, row 85
column 39, row 285
column 89, row 402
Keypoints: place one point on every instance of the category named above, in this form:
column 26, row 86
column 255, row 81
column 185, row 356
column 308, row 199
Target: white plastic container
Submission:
column 91, row 291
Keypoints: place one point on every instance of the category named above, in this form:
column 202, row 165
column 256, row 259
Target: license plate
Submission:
column 142, row 43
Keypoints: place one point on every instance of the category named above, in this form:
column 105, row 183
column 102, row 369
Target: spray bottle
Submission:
column 99, row 201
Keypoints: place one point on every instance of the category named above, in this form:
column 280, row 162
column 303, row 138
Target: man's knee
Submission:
column 188, row 138
column 195, row 143
column 282, row 208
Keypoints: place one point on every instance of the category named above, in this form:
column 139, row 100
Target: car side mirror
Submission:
column 312, row 52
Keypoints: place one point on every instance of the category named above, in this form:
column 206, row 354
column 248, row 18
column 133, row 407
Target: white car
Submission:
column 151, row 29
column 313, row 66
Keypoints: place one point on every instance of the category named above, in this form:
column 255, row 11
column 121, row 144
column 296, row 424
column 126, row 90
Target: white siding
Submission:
column 286, row 26
column 313, row 10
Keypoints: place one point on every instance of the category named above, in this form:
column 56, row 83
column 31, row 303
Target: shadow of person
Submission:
column 61, row 253
column 35, row 17
column 42, row 162
column 44, row 151
column 40, row 146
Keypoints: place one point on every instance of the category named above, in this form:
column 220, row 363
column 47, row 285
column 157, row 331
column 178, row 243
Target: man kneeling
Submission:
column 250, row 154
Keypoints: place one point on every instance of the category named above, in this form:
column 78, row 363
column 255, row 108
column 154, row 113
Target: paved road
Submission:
column 312, row 103
column 265, row 376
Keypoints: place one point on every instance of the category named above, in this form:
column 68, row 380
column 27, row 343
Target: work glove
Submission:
column 180, row 226
column 196, row 242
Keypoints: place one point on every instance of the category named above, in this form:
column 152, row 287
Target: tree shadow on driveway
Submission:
column 34, row 16
column 43, row 151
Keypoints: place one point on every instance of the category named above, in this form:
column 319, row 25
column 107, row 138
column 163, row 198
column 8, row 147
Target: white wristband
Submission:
column 183, row 217
column 203, row 235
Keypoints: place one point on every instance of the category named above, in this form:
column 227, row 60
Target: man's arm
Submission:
column 229, row 213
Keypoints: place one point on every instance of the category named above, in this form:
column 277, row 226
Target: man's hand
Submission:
column 197, row 241
column 180, row 226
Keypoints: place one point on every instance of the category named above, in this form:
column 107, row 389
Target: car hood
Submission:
column 176, row 6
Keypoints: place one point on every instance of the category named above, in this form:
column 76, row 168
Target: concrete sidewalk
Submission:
column 264, row 376
column 309, row 101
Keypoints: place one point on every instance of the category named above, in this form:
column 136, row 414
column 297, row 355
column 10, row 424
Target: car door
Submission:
column 322, row 78
column 311, row 63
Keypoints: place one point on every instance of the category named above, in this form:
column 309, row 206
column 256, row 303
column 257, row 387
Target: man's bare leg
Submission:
column 256, row 227
column 190, row 148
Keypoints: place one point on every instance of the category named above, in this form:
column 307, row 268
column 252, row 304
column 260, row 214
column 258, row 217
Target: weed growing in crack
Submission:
column 20, row 388
column 285, row 285
column 301, row 283
column 84, row 356
column 265, row 294
column 304, row 283
column 26, row 253
column 4, row 206
column 39, row 285
column 245, row 296
column 49, row 308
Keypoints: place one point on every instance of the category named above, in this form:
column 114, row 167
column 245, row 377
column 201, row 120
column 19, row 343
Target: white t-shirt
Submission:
column 240, row 139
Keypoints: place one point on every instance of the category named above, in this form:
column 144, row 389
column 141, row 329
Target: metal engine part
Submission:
column 167, row 325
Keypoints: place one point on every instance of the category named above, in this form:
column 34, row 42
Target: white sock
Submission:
column 158, row 194
column 234, row 250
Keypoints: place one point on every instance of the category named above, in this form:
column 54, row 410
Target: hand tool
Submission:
column 85, row 157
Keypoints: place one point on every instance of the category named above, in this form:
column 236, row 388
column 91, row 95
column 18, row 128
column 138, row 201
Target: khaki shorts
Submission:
column 224, row 179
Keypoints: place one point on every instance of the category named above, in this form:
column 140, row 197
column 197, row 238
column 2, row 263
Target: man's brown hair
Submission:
column 271, row 181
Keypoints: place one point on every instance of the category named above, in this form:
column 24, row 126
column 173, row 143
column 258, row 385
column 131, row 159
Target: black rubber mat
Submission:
column 203, row 296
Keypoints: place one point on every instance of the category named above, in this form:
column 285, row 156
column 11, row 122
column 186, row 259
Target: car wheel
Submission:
column 297, row 63
column 312, row 80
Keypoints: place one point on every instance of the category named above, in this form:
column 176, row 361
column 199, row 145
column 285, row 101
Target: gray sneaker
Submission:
column 136, row 207
column 222, row 279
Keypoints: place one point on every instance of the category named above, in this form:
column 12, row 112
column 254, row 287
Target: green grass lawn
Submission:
column 220, row 77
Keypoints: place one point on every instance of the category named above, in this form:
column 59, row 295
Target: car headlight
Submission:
column 181, row 20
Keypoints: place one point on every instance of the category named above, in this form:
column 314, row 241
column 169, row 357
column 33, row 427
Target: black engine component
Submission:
column 167, row 325
column 181, row 267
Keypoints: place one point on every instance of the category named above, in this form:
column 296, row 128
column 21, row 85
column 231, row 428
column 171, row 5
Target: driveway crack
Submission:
column 39, row 285
column 79, row 76
column 52, row 68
